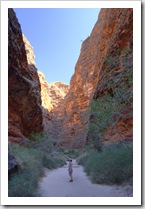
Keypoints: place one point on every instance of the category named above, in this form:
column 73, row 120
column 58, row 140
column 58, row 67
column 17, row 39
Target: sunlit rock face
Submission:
column 57, row 92
column 103, row 67
column 46, row 100
column 24, row 101
column 52, row 96
column 29, row 51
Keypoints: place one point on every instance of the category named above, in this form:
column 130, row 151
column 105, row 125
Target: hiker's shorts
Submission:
column 70, row 171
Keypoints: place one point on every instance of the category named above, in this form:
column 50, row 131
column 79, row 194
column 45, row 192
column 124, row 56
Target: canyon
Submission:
column 97, row 106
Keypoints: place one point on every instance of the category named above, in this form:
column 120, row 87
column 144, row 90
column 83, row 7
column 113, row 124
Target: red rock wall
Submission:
column 97, row 106
column 34, row 105
column 110, row 38
column 24, row 101
column 116, row 79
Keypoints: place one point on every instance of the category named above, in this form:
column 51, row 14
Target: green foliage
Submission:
column 52, row 162
column 23, row 184
column 113, row 60
column 109, row 59
column 113, row 165
column 118, row 95
column 102, row 110
column 42, row 142
column 70, row 153
column 126, row 51
column 39, row 154
column 50, row 155
column 82, row 158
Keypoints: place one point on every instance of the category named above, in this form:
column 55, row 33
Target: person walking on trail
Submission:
column 70, row 170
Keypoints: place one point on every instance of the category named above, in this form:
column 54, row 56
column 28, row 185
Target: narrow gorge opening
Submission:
column 57, row 36
column 91, row 119
column 67, row 28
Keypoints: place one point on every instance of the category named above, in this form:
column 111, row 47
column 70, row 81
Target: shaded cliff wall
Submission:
column 34, row 105
column 110, row 44
column 24, row 101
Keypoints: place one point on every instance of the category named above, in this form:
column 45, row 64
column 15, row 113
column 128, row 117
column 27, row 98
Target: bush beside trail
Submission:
column 114, row 165
column 40, row 153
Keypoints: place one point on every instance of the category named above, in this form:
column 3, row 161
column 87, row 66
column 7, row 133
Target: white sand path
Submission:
column 56, row 183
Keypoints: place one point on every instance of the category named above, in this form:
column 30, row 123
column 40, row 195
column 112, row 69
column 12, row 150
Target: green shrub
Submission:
column 113, row 165
column 70, row 153
column 39, row 154
column 42, row 142
column 24, row 183
column 52, row 162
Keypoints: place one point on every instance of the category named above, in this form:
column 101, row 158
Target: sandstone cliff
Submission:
column 57, row 92
column 97, row 106
column 103, row 71
column 114, row 90
column 34, row 105
column 24, row 101
column 52, row 96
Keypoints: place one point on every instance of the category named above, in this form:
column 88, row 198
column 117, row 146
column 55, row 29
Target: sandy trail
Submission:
column 56, row 183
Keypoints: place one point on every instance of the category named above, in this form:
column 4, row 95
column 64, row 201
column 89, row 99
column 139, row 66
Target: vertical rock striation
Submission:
column 104, row 67
column 24, row 101
column 114, row 91
column 97, row 106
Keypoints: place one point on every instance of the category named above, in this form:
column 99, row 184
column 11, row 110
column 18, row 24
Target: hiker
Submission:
column 70, row 170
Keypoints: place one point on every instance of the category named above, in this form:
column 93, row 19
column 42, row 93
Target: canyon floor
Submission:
column 56, row 183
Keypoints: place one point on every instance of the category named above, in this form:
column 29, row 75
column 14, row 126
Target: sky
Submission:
column 56, row 36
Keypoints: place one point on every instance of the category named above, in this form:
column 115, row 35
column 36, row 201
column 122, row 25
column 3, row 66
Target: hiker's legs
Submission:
column 71, row 178
column 70, row 174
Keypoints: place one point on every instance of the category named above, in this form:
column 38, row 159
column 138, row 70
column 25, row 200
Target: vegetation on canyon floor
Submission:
column 104, row 164
column 69, row 153
column 32, row 160
column 113, row 165
column 103, row 78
